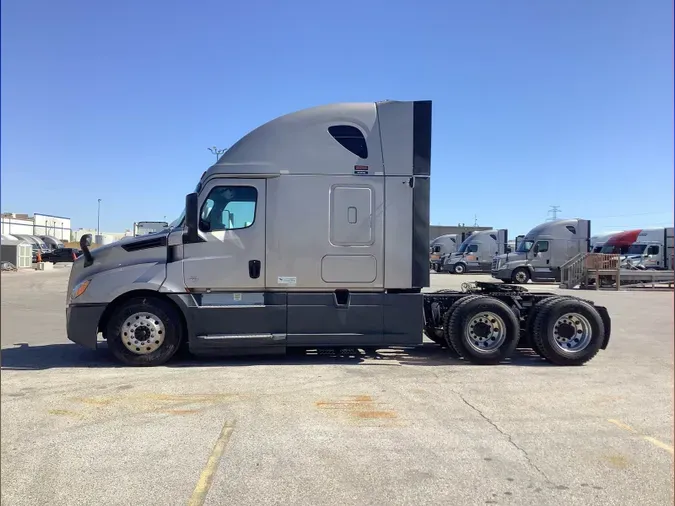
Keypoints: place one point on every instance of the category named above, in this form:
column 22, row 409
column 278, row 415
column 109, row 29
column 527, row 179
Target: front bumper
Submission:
column 502, row 273
column 82, row 323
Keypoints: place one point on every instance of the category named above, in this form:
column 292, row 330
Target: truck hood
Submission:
column 121, row 256
column 510, row 257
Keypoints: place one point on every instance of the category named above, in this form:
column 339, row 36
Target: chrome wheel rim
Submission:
column 485, row 332
column 521, row 277
column 572, row 333
column 459, row 269
column 142, row 333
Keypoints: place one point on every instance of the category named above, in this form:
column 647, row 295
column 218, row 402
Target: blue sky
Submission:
column 535, row 103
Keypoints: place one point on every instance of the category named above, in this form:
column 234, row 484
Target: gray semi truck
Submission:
column 543, row 251
column 476, row 252
column 311, row 232
column 443, row 246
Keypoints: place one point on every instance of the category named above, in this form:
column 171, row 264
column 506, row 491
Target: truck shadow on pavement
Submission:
column 56, row 356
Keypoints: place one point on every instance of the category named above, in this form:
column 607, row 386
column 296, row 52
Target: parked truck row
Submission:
column 540, row 254
column 283, row 247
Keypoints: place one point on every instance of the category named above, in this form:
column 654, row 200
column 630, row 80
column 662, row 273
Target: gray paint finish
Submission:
column 325, row 220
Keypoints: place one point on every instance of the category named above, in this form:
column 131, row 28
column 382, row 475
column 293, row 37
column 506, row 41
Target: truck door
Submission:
column 232, row 218
column 653, row 257
column 541, row 261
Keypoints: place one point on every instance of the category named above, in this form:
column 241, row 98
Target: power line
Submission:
column 553, row 212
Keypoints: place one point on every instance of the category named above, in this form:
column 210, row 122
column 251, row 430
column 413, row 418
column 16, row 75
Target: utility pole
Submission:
column 475, row 220
column 217, row 152
column 98, row 219
column 553, row 212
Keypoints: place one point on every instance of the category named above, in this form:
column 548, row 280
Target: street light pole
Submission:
column 217, row 152
column 98, row 219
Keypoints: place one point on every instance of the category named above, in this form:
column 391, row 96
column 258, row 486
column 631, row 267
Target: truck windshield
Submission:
column 525, row 246
column 632, row 249
column 636, row 249
column 463, row 247
column 178, row 222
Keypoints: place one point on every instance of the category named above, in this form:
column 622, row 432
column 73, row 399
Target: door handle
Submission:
column 254, row 269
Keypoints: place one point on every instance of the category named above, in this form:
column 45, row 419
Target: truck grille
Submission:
column 495, row 264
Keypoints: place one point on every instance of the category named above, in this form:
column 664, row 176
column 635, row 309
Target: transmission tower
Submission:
column 553, row 212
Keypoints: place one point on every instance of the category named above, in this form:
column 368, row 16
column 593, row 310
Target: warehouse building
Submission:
column 38, row 225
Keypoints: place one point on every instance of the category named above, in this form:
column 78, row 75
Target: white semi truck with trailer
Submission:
column 475, row 254
column 543, row 251
column 312, row 232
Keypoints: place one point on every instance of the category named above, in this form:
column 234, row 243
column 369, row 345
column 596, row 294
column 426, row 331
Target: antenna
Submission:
column 553, row 212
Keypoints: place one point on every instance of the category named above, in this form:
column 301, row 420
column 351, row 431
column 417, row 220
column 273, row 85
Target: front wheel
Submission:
column 520, row 276
column 144, row 331
column 458, row 269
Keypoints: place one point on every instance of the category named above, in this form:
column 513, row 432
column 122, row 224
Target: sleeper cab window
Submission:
column 350, row 138
column 228, row 208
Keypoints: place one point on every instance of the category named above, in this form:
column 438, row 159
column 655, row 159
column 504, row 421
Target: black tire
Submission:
column 520, row 276
column 471, row 307
column 459, row 268
column 166, row 315
column 446, row 325
column 543, row 331
column 529, row 322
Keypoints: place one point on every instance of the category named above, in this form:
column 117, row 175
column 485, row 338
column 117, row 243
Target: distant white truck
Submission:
column 647, row 248
column 476, row 252
column 149, row 227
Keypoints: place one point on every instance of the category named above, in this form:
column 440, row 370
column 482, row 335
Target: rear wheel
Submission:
column 568, row 331
column 483, row 330
column 446, row 325
column 144, row 331
column 540, row 306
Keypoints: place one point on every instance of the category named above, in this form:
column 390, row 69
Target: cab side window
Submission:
column 228, row 208
column 473, row 248
column 653, row 250
column 543, row 246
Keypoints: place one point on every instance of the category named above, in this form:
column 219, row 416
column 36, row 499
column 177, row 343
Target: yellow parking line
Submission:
column 206, row 478
column 649, row 439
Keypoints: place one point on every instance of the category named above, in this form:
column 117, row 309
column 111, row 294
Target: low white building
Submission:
column 37, row 225
column 53, row 226
column 13, row 223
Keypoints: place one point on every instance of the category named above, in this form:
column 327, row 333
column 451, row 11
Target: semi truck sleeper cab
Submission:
column 311, row 232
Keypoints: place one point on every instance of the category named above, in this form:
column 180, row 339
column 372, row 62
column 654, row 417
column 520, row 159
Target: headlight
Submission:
column 79, row 289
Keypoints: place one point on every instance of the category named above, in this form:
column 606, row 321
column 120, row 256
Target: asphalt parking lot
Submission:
column 401, row 427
